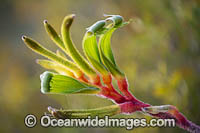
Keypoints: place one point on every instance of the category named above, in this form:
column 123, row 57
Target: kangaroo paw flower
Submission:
column 82, row 77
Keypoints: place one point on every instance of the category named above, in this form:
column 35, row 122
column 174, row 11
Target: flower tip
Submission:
column 73, row 15
column 45, row 22
column 24, row 37
column 90, row 32
column 37, row 61
column 45, row 81
column 116, row 19
column 96, row 27
column 106, row 15
column 51, row 110
column 70, row 17
column 68, row 20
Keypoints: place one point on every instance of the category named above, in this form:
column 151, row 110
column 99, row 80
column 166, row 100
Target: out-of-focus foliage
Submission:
column 159, row 52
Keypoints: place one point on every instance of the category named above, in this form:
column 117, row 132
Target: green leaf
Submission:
column 91, row 51
column 60, row 84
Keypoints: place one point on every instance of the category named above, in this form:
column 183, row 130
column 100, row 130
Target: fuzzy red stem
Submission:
column 84, row 79
column 129, row 104
column 181, row 120
column 123, row 86
column 96, row 80
column 111, row 93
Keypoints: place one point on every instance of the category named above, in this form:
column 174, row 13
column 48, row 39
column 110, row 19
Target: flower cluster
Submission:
column 93, row 75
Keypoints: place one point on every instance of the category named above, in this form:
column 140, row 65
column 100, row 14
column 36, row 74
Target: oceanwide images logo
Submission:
column 128, row 123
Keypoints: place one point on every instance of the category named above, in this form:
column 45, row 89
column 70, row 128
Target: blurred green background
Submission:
column 159, row 51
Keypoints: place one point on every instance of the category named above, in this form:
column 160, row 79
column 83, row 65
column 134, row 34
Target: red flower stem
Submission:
column 183, row 122
column 132, row 106
column 116, row 93
column 112, row 94
column 84, row 79
column 96, row 80
column 180, row 119
column 109, row 91
column 123, row 86
column 129, row 104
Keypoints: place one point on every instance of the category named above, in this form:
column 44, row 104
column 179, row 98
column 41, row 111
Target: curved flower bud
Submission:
column 90, row 49
column 73, row 52
column 85, row 113
column 54, row 35
column 116, row 19
column 107, row 55
column 36, row 47
column 98, row 26
column 60, row 84
column 108, row 58
column 54, row 66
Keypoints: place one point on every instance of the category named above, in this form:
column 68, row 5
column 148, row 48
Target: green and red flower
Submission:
column 83, row 76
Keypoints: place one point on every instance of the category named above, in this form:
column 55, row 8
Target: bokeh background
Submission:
column 159, row 52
